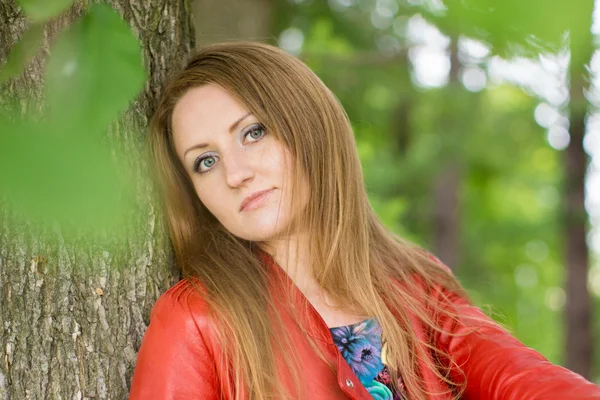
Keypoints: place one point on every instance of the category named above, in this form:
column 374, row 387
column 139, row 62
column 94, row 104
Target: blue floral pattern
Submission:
column 360, row 345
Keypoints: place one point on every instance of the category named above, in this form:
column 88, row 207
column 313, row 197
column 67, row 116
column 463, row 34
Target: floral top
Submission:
column 361, row 347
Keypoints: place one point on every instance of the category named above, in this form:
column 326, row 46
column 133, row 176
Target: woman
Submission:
column 293, row 288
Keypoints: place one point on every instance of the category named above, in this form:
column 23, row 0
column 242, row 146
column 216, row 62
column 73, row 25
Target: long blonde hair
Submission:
column 353, row 256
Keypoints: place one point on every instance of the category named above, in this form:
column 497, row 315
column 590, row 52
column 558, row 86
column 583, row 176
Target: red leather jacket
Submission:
column 177, row 358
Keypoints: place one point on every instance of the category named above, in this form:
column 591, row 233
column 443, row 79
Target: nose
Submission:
column 237, row 169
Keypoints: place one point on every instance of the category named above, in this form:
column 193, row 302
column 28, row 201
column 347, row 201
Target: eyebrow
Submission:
column 231, row 128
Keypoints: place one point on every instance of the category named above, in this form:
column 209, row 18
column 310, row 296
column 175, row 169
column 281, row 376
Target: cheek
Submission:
column 298, row 195
column 269, row 158
column 280, row 162
column 211, row 198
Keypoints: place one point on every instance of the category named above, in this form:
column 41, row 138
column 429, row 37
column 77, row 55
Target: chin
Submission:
column 261, row 229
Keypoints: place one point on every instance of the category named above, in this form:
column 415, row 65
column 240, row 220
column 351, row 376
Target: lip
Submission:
column 255, row 200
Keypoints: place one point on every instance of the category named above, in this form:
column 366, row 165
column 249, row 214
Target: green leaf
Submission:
column 95, row 70
column 22, row 52
column 53, row 177
column 43, row 10
column 514, row 27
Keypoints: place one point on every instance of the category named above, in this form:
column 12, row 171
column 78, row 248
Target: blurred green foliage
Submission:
column 58, row 165
column 94, row 71
column 22, row 52
column 511, row 255
column 514, row 27
column 43, row 10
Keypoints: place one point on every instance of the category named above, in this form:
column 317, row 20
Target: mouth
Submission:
column 255, row 200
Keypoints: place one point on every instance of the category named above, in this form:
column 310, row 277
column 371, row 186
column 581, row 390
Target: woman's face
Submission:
column 240, row 172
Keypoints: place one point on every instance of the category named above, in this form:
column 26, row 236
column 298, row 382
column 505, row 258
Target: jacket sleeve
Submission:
column 498, row 366
column 174, row 362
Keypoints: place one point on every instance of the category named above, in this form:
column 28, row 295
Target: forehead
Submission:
column 202, row 112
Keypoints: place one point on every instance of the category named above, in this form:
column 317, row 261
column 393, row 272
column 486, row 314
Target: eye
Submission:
column 204, row 163
column 255, row 133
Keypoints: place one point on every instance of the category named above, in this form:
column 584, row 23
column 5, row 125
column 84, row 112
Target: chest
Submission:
column 358, row 340
column 332, row 314
column 311, row 321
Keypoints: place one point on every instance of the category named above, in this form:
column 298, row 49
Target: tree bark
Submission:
column 72, row 317
column 225, row 20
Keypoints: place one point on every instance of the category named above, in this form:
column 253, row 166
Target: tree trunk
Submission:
column 446, row 213
column 579, row 337
column 402, row 132
column 446, row 229
column 225, row 20
column 72, row 317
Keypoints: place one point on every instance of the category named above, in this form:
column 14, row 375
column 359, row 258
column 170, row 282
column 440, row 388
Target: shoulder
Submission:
column 176, row 358
column 183, row 311
column 432, row 283
column 182, row 300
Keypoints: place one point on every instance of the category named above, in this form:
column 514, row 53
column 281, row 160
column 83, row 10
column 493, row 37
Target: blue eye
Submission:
column 255, row 133
column 204, row 164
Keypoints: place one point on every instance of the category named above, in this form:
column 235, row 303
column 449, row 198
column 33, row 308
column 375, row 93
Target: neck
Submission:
column 292, row 255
